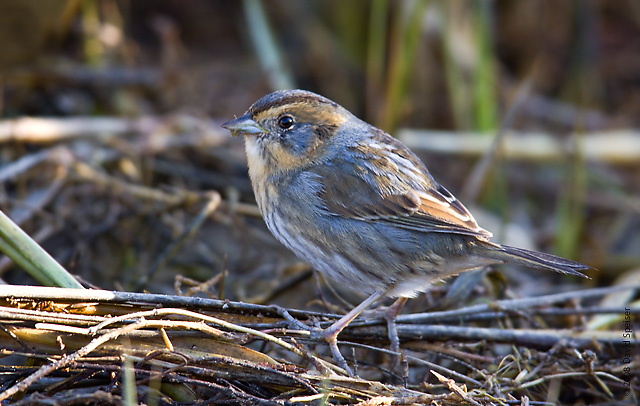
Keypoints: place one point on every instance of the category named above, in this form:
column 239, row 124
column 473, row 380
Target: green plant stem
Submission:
column 24, row 251
column 266, row 46
column 484, row 83
column 405, row 39
column 376, row 51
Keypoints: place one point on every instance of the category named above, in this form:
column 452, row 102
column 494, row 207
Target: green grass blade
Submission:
column 24, row 251
column 266, row 46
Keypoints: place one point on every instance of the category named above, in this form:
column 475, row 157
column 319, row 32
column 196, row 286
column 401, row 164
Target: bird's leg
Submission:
column 330, row 334
column 390, row 314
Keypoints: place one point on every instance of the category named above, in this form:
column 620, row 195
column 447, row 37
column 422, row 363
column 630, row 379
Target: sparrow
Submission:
column 361, row 207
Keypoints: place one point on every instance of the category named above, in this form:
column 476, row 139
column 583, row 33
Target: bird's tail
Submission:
column 535, row 259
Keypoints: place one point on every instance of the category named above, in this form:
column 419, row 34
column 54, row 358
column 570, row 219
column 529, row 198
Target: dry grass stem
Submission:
column 205, row 344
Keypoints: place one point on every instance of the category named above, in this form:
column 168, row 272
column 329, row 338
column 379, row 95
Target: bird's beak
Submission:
column 243, row 125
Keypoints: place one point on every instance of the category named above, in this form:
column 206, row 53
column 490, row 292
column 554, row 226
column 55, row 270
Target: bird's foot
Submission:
column 329, row 335
column 390, row 313
column 295, row 323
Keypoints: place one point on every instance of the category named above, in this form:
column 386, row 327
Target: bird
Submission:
column 360, row 207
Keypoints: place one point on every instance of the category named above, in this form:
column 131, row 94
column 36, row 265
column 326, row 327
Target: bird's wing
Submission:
column 394, row 188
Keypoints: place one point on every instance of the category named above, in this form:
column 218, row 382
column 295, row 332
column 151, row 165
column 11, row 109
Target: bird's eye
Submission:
column 285, row 122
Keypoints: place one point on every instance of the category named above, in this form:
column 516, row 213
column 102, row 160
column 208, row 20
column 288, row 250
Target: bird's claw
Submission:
column 329, row 335
column 294, row 323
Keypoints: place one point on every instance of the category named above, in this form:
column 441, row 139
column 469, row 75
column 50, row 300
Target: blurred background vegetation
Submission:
column 115, row 201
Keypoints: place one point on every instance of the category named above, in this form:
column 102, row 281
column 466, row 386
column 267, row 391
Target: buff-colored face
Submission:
column 286, row 131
